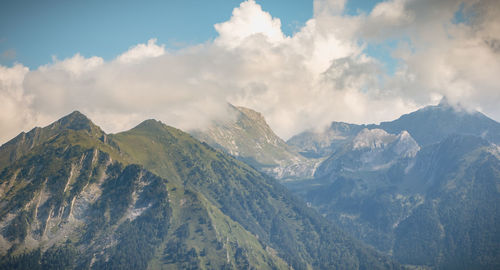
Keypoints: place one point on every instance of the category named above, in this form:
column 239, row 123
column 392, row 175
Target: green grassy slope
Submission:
column 262, row 206
column 154, row 197
column 69, row 203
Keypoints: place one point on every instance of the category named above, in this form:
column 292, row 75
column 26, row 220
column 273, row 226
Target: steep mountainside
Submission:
column 439, row 208
column 423, row 187
column 250, row 139
column 154, row 197
column 456, row 226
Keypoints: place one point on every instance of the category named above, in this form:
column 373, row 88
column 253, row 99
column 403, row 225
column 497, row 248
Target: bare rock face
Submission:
column 248, row 137
column 370, row 150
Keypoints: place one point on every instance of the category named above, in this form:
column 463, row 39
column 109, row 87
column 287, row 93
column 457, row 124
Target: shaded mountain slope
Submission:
column 431, row 201
column 438, row 209
column 456, row 226
column 76, row 199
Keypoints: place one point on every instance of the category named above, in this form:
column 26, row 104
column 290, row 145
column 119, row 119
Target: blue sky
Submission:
column 37, row 30
column 31, row 32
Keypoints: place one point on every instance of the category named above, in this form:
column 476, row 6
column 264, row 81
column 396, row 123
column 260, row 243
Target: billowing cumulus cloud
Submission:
column 142, row 51
column 320, row 74
column 249, row 21
column 15, row 114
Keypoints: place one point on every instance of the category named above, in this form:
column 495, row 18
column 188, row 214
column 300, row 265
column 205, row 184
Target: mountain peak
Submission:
column 151, row 122
column 456, row 107
column 76, row 113
column 405, row 145
column 251, row 113
column 153, row 127
column 150, row 125
column 24, row 142
column 434, row 123
column 75, row 121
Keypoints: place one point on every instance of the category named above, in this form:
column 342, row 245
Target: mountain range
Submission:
column 428, row 125
column 154, row 197
column 424, row 188
column 423, row 191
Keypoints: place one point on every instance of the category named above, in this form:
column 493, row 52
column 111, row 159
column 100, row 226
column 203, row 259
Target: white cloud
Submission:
column 447, row 58
column 318, row 75
column 74, row 66
column 142, row 51
column 249, row 21
column 15, row 113
column 392, row 12
column 328, row 7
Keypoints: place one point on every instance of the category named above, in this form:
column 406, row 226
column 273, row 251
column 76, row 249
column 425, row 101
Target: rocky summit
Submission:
column 249, row 138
